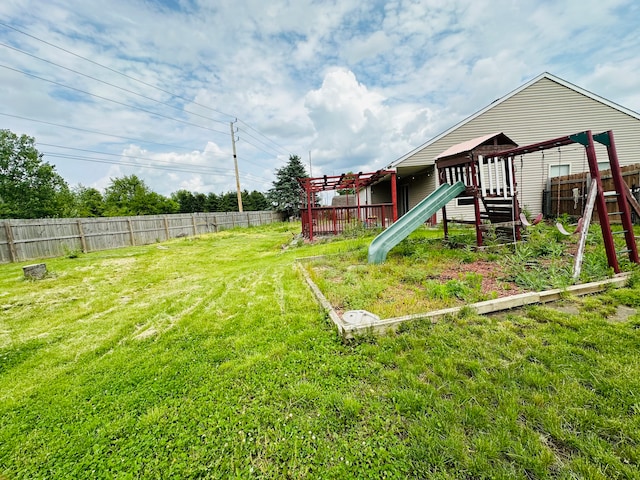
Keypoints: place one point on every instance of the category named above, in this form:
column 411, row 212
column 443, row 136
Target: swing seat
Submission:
column 563, row 231
column 535, row 221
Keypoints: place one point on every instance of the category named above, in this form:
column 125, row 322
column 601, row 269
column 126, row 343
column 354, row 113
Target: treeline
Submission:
column 225, row 202
column 130, row 196
column 31, row 188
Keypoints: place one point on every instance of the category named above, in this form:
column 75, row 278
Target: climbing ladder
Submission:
column 620, row 193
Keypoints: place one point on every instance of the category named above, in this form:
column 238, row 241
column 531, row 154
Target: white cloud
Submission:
column 617, row 82
column 357, row 83
column 369, row 47
column 341, row 99
column 211, row 169
column 355, row 127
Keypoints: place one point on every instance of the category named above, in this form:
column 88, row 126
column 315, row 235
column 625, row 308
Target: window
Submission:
column 559, row 170
column 603, row 166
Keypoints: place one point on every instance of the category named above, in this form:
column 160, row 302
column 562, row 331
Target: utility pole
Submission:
column 235, row 164
column 310, row 171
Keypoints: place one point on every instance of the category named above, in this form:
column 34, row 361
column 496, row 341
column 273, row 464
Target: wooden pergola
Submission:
column 331, row 220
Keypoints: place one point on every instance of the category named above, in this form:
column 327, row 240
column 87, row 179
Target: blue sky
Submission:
column 352, row 84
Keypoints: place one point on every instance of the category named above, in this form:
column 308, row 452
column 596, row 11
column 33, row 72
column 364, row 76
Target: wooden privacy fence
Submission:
column 567, row 194
column 22, row 240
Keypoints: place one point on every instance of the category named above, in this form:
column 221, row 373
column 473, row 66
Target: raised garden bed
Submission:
column 424, row 274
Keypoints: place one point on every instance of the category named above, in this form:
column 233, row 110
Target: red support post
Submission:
column 601, row 205
column 358, row 200
column 476, row 201
column 623, row 205
column 394, row 196
column 309, row 211
column 442, row 175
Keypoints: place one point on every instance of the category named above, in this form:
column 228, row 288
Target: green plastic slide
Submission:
column 411, row 220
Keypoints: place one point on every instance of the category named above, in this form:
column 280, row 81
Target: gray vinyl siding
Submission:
column 380, row 195
column 420, row 185
column 542, row 111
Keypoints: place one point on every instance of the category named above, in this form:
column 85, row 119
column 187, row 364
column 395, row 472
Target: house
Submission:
column 544, row 108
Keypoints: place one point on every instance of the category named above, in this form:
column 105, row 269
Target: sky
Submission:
column 153, row 88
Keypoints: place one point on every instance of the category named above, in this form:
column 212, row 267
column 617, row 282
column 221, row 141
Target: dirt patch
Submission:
column 492, row 284
column 570, row 308
column 622, row 314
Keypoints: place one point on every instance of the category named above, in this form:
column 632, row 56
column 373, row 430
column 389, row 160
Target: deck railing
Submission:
column 335, row 220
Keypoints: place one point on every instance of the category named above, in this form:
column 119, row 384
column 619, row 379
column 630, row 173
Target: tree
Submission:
column 130, row 196
column 88, row 201
column 212, row 203
column 199, row 202
column 185, row 200
column 225, row 202
column 228, row 202
column 286, row 191
column 256, row 200
column 29, row 187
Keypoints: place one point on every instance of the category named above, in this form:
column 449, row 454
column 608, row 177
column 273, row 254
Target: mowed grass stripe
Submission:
column 209, row 358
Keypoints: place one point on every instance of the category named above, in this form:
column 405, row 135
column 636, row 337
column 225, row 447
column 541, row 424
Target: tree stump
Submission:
column 37, row 271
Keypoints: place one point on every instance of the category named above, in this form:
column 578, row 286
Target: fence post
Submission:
column 133, row 239
column 10, row 242
column 166, row 227
column 83, row 241
column 195, row 225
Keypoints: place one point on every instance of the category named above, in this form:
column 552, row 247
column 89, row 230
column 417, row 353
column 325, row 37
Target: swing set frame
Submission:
column 488, row 173
column 587, row 139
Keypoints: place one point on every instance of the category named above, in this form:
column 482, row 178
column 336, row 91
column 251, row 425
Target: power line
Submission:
column 156, row 163
column 114, row 70
column 131, row 164
column 257, row 147
column 133, row 106
column 273, row 151
column 111, row 84
column 111, row 100
column 262, row 134
column 140, row 81
column 204, row 168
column 245, row 160
column 84, row 158
column 241, row 158
column 139, row 140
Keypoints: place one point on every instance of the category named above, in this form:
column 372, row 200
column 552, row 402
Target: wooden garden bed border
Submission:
column 382, row 326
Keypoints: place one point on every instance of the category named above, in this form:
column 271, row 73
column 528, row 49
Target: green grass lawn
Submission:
column 209, row 358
